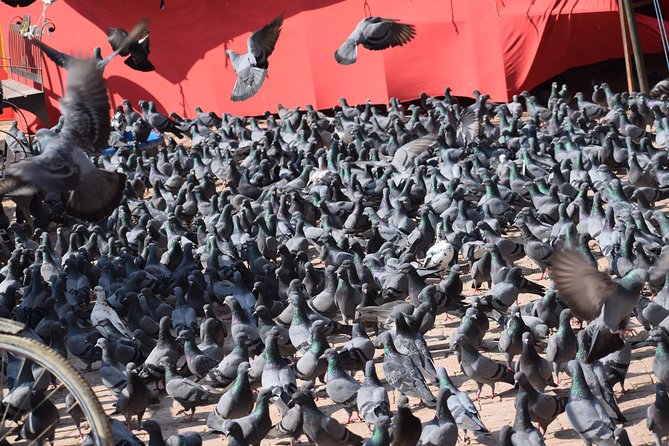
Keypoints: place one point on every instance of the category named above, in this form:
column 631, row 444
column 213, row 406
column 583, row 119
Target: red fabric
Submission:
column 463, row 44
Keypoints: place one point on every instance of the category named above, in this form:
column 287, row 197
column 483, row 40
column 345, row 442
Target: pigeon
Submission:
column 257, row 424
column 523, row 431
column 480, row 368
column 372, row 398
column 380, row 435
column 137, row 49
column 401, row 373
column 441, row 430
column 134, row 398
column 374, row 33
column 237, row 402
column 251, row 67
column 537, row 370
column 321, row 429
column 64, row 165
column 543, row 408
column 592, row 294
column 198, row 362
column 563, row 346
column 461, row 406
column 340, row 386
column 187, row 393
column 586, row 414
column 657, row 414
column 42, row 420
column 405, row 427
column 103, row 312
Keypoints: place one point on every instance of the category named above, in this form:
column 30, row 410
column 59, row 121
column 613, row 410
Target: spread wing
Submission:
column 580, row 285
column 261, row 43
column 85, row 107
column 60, row 59
column 387, row 33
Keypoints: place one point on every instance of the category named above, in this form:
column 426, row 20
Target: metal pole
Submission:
column 626, row 48
column 636, row 47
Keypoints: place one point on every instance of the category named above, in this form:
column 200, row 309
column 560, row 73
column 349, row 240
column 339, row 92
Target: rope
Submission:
column 367, row 9
column 663, row 31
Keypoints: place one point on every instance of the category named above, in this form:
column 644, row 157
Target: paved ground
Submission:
column 495, row 412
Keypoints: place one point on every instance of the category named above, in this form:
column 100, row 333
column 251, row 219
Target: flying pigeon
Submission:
column 251, row 67
column 64, row 164
column 374, row 33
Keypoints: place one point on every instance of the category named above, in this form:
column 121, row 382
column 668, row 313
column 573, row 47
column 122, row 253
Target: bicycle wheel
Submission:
column 32, row 410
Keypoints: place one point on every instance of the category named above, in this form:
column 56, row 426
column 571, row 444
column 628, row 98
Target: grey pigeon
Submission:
column 257, row 424
column 372, row 398
column 401, row 373
column 167, row 347
column 112, row 373
column 591, row 294
column 134, row 398
column 586, row 414
column 226, row 370
column 461, row 406
column 657, row 414
column 187, row 393
column 405, row 427
column 236, row 402
column 339, row 385
column 374, row 33
column 411, row 343
column 64, row 165
column 480, row 368
column 511, row 339
column 563, row 346
column 276, row 371
column 198, row 362
column 235, row 435
column 441, row 430
column 380, row 435
column 536, row 368
column 321, row 429
column 311, row 364
column 523, row 431
column 42, row 420
column 543, row 408
column 251, row 67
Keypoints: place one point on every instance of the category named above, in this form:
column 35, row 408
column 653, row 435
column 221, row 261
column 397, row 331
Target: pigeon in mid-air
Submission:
column 137, row 49
column 64, row 164
column 374, row 33
column 251, row 67
column 593, row 296
column 63, row 60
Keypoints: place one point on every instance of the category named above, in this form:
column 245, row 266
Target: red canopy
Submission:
column 497, row 46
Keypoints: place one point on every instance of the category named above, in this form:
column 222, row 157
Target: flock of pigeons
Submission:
column 237, row 259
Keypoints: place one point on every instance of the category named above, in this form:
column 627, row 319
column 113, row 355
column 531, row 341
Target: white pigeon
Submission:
column 440, row 255
column 102, row 311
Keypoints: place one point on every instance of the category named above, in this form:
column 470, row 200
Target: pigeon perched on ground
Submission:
column 374, row 33
column 251, row 67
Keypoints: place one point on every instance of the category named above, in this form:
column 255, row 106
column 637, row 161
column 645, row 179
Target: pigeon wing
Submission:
column 261, row 43
column 580, row 285
column 387, row 33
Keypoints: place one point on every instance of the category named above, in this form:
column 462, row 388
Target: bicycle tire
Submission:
column 68, row 376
